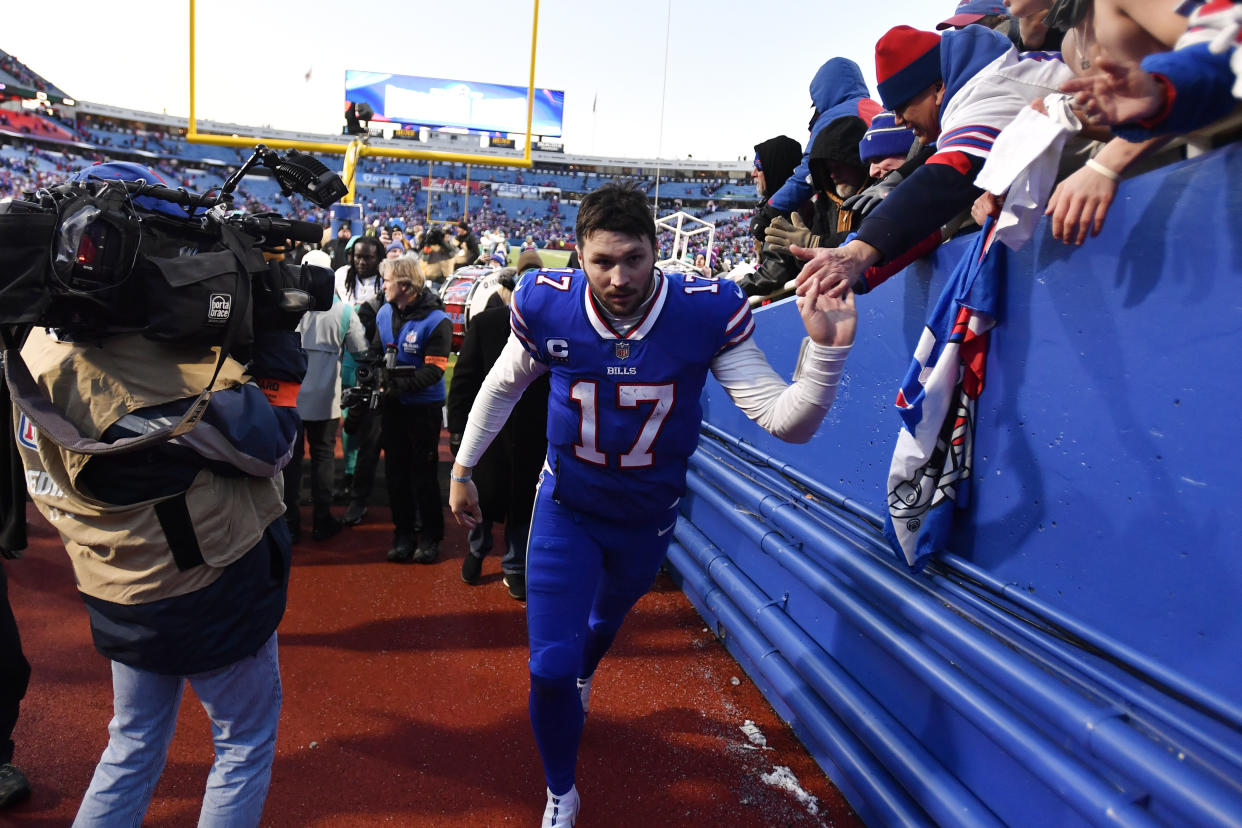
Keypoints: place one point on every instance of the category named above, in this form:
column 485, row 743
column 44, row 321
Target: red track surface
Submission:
column 405, row 704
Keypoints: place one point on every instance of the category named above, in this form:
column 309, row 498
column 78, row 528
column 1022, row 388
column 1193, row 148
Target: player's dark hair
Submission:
column 351, row 275
column 619, row 207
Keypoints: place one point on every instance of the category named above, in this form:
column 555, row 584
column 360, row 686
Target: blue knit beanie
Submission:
column 884, row 138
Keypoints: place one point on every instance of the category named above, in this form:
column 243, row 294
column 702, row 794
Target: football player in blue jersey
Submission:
column 628, row 349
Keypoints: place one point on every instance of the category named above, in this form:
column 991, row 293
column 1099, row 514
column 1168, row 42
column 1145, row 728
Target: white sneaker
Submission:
column 584, row 693
column 561, row 811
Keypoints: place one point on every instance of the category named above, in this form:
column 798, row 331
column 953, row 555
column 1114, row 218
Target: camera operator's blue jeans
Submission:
column 243, row 701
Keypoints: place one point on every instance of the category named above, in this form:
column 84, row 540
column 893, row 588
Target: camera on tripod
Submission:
column 113, row 251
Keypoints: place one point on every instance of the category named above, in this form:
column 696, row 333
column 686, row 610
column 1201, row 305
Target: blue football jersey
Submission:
column 624, row 412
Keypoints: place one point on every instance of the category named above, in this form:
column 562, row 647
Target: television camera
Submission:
column 371, row 382
column 112, row 251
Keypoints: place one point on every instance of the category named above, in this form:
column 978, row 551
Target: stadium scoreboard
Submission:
column 441, row 102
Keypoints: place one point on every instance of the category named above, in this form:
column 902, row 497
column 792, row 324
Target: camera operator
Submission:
column 178, row 547
column 467, row 245
column 359, row 285
column 415, row 325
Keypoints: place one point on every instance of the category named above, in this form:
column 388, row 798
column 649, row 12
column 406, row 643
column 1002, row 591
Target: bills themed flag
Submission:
column 929, row 478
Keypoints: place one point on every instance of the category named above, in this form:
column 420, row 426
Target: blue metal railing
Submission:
column 1051, row 707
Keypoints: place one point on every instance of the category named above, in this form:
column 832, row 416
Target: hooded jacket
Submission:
column 837, row 89
column 779, row 157
column 987, row 83
column 836, row 143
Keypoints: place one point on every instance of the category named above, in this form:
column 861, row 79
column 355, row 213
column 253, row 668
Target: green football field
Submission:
column 551, row 258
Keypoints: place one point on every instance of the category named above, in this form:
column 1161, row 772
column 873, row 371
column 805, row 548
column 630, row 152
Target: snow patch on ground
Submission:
column 754, row 734
column 783, row 778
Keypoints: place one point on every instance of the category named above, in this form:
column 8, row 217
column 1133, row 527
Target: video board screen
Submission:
column 439, row 102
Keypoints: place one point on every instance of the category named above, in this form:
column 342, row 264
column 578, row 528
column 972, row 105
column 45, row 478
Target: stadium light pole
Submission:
column 193, row 136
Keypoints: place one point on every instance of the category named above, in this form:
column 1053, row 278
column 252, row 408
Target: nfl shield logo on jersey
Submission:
column 622, row 350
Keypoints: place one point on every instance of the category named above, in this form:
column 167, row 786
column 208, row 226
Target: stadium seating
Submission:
column 37, row 150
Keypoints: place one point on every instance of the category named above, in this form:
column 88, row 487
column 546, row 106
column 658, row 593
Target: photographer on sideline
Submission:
column 359, row 285
column 178, row 547
column 415, row 325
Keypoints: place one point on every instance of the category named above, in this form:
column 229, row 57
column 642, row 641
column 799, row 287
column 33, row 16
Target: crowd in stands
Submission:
column 545, row 223
column 834, row 189
column 995, row 126
column 21, row 73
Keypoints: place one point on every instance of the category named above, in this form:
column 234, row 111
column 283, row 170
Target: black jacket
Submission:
column 835, row 143
column 508, row 471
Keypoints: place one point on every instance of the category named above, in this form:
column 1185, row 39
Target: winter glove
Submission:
column 864, row 202
column 761, row 219
column 454, row 442
column 781, row 233
column 775, row 269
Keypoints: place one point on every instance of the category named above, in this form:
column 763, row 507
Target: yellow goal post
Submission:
column 359, row 148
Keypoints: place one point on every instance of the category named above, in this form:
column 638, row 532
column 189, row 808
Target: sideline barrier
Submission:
column 1072, row 659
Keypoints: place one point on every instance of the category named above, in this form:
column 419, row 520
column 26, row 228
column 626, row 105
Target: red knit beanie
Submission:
column 907, row 61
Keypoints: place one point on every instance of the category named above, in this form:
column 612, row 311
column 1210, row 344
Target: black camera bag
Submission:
column 26, row 232
column 197, row 282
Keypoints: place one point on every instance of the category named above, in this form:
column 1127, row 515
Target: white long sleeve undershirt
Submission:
column 791, row 412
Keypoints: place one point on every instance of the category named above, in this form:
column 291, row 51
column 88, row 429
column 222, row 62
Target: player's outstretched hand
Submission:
column 464, row 502
column 828, row 320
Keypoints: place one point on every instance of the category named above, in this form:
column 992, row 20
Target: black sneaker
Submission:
column 516, row 582
column 427, row 552
column 354, row 514
column 325, row 526
column 471, row 568
column 402, row 552
column 14, row 787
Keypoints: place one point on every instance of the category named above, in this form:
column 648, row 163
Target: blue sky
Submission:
column 737, row 72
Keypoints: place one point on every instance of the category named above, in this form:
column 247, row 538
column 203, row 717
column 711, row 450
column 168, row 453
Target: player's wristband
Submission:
column 457, row 479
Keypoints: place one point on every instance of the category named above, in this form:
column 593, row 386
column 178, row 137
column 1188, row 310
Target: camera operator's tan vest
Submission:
column 121, row 553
